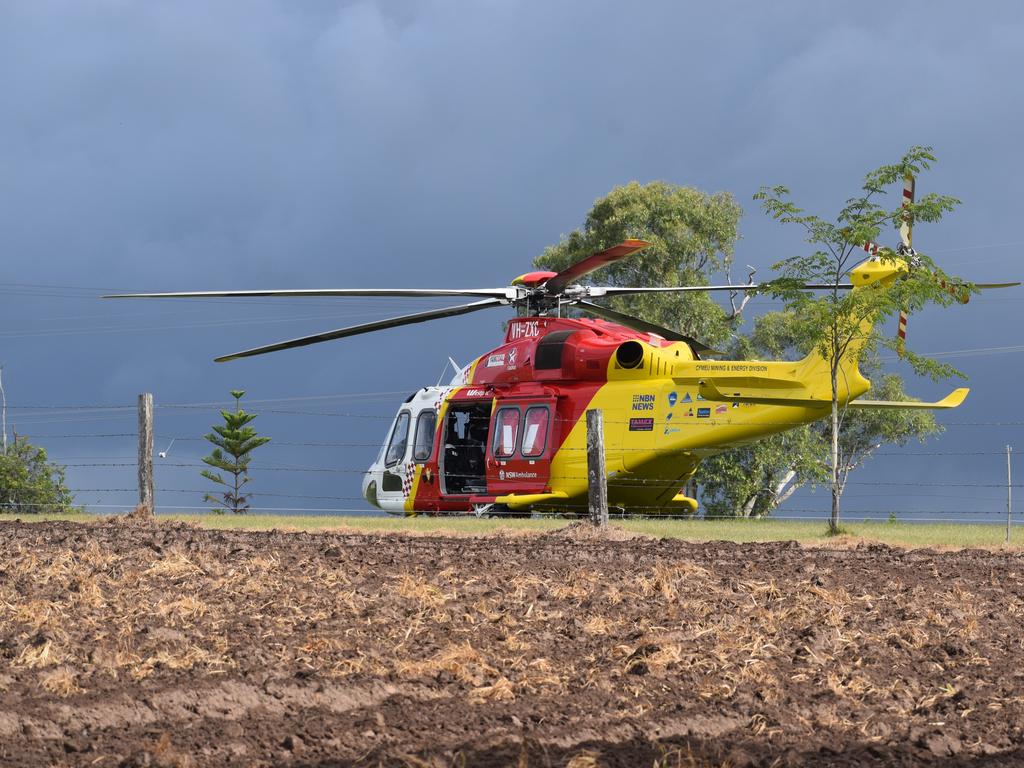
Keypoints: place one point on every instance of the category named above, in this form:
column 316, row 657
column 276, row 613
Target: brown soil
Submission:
column 150, row 644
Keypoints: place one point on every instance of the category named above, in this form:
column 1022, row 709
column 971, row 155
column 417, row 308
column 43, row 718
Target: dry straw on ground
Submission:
column 548, row 650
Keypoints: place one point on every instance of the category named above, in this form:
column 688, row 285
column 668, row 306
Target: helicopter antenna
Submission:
column 454, row 366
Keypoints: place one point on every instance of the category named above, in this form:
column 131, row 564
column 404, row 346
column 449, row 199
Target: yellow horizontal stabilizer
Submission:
column 952, row 400
column 516, row 500
column 762, row 395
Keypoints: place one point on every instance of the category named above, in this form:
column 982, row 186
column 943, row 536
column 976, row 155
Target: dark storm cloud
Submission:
column 194, row 145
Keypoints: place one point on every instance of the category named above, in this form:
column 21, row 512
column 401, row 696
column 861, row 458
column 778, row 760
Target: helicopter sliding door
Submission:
column 521, row 444
column 463, row 451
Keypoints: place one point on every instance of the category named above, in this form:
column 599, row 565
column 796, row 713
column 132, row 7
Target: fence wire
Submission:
column 110, row 453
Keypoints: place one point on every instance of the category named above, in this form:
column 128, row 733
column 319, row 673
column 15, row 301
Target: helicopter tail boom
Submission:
column 769, row 393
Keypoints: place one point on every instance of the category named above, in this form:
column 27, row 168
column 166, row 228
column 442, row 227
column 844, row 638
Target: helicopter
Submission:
column 507, row 434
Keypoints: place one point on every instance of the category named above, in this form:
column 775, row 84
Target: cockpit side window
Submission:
column 535, row 431
column 399, row 440
column 423, row 445
column 506, row 432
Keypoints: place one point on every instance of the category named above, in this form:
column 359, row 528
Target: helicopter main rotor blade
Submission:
column 584, row 267
column 355, row 330
column 645, row 327
column 499, row 293
column 627, row 290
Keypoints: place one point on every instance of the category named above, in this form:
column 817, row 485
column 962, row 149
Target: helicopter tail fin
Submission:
column 876, row 273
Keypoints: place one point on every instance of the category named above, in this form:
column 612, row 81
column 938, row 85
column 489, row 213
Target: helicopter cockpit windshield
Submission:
column 409, row 442
column 399, row 440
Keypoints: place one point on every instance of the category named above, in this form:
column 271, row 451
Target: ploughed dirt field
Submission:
column 166, row 645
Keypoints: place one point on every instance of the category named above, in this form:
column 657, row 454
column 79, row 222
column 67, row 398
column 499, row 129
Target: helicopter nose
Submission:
column 370, row 489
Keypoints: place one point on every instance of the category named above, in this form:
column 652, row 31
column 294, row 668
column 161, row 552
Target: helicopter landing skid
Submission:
column 491, row 509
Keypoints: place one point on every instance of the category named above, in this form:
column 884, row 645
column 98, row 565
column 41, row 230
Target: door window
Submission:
column 506, row 432
column 423, row 445
column 399, row 440
column 535, row 431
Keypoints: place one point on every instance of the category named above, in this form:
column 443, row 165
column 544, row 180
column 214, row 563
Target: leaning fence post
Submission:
column 146, row 452
column 597, row 479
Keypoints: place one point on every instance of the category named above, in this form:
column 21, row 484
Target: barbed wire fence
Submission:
column 103, row 466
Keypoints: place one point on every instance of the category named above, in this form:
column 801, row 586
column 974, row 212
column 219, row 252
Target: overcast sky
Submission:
column 196, row 145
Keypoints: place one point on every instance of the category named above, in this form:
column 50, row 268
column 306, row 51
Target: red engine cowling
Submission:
column 574, row 355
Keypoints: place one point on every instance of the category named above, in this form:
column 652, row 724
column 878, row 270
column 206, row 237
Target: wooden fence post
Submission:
column 1009, row 494
column 146, row 452
column 597, row 478
column 3, row 405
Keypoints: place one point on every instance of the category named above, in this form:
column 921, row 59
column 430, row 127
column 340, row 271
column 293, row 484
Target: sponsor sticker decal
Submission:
column 672, row 397
column 517, row 475
column 642, row 424
column 703, row 413
column 744, row 367
column 495, row 361
column 475, row 393
column 512, row 354
column 721, row 409
column 643, row 402
column 689, row 411
column 687, row 398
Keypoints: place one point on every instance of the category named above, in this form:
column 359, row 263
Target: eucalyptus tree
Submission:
column 692, row 234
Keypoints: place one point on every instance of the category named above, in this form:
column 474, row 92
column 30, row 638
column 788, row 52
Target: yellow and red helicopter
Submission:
column 508, row 434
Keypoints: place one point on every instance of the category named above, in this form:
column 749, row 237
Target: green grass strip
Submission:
column 955, row 535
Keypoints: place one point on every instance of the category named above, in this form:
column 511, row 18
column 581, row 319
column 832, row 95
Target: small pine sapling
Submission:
column 233, row 442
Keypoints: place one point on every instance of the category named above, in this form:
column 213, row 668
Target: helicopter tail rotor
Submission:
column 907, row 251
column 958, row 290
